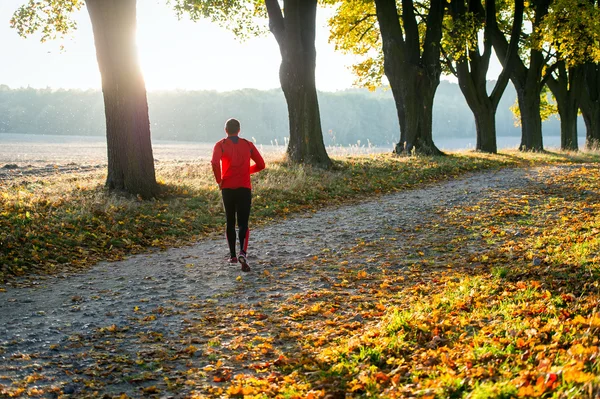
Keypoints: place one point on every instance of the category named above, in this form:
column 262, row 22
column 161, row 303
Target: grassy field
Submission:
column 68, row 222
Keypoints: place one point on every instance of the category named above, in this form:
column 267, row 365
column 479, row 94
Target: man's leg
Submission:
column 229, row 201
column 244, row 202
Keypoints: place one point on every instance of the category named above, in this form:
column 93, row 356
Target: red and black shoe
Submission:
column 233, row 259
column 242, row 259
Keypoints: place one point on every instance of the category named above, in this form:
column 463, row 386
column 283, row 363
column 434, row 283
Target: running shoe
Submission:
column 233, row 259
column 244, row 261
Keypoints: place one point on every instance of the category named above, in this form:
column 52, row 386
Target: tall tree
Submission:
column 572, row 31
column 412, row 67
column 473, row 59
column 294, row 28
column 130, row 159
column 564, row 21
column 527, row 76
column 295, row 35
column 405, row 48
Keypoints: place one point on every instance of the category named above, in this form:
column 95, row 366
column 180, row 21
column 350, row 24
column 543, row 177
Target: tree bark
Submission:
column 528, row 81
column 528, row 96
column 130, row 159
column 485, row 127
column 414, row 75
column 589, row 102
column 475, row 92
column 295, row 35
column 563, row 88
column 471, row 70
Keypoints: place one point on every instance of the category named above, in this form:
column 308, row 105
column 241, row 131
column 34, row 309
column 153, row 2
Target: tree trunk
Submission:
column 563, row 86
column 471, row 69
column 418, row 94
column 589, row 102
column 568, row 124
column 413, row 76
column 130, row 159
column 485, row 125
column 306, row 144
column 399, row 147
column 531, row 121
column 475, row 92
column 591, row 117
column 295, row 34
column 473, row 87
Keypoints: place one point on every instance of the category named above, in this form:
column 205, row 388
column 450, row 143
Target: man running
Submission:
column 234, row 154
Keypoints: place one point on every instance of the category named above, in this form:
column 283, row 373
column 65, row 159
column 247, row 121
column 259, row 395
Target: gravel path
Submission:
column 65, row 309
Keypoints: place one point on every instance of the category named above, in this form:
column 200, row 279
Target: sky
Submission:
column 174, row 54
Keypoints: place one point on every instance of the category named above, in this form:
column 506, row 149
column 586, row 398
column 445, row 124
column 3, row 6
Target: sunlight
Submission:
column 203, row 56
column 174, row 54
column 200, row 55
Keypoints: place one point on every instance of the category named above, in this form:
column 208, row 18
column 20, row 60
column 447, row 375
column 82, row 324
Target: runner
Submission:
column 234, row 153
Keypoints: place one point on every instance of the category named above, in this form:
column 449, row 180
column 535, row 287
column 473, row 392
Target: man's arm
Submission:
column 259, row 162
column 216, row 162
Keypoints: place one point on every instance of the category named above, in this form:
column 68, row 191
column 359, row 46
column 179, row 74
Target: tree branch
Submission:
column 411, row 29
column 276, row 20
column 364, row 33
column 355, row 24
column 509, row 51
column 389, row 25
column 433, row 33
column 448, row 62
column 549, row 71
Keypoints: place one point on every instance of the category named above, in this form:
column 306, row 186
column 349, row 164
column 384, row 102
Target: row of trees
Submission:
column 347, row 116
column 541, row 44
column 411, row 42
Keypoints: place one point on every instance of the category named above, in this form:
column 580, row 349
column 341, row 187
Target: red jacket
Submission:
column 235, row 154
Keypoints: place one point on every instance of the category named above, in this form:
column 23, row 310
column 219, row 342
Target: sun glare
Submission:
column 174, row 54
column 201, row 55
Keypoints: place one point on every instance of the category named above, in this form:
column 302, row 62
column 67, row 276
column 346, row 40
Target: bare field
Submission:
column 25, row 149
column 28, row 154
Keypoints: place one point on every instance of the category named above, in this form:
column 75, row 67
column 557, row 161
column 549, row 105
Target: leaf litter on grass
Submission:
column 497, row 298
column 68, row 223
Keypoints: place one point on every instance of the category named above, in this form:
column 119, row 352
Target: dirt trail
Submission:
column 61, row 310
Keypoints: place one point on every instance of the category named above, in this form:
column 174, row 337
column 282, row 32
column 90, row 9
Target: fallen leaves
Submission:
column 458, row 311
column 61, row 223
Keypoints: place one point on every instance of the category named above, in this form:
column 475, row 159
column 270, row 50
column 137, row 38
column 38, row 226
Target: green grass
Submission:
column 69, row 222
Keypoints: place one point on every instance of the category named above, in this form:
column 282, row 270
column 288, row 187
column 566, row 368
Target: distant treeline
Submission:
column 347, row 116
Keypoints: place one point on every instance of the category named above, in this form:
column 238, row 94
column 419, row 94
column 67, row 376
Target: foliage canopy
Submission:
column 53, row 18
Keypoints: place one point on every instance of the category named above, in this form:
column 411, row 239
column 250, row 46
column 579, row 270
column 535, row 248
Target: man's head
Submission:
column 232, row 126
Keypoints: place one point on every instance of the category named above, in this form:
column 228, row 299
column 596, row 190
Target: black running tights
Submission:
column 237, row 202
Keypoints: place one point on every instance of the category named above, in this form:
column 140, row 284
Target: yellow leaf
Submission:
column 151, row 389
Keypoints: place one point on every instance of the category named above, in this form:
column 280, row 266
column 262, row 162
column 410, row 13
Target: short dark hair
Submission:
column 232, row 126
